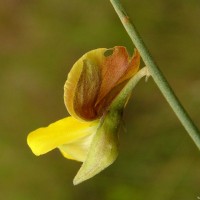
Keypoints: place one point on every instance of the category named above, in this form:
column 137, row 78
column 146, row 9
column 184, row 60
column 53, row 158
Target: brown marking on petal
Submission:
column 96, row 79
column 70, row 88
column 113, row 69
column 129, row 71
column 87, row 91
column 133, row 67
column 104, row 104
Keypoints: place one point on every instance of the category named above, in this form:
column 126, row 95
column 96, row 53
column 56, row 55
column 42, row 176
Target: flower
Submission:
column 90, row 134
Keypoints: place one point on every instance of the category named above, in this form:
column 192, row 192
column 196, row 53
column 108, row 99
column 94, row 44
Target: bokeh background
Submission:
column 40, row 41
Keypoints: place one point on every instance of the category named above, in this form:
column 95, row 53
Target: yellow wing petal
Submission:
column 64, row 131
column 77, row 150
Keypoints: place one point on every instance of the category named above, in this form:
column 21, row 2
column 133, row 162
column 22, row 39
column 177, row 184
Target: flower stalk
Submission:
column 157, row 75
column 121, row 99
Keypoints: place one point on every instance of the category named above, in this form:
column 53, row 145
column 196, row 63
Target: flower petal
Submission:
column 132, row 68
column 64, row 131
column 82, row 85
column 120, row 68
column 117, row 68
column 113, row 69
column 95, row 80
column 87, row 91
column 77, row 150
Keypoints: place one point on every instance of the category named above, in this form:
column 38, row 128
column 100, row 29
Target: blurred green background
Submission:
column 40, row 41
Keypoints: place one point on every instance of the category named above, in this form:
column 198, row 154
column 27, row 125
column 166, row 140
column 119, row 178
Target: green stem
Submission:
column 157, row 75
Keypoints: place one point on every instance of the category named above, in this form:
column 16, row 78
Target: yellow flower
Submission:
column 90, row 134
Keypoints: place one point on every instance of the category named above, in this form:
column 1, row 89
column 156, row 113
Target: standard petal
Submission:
column 82, row 85
column 113, row 68
column 133, row 67
column 87, row 91
column 64, row 131
column 117, row 70
column 96, row 79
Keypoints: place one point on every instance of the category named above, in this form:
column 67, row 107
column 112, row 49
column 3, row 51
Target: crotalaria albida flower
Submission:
column 95, row 95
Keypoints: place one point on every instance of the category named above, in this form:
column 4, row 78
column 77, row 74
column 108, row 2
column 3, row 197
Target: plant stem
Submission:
column 157, row 75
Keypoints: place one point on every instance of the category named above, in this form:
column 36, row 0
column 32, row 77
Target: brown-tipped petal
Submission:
column 107, row 100
column 87, row 91
column 133, row 67
column 113, row 69
column 115, row 79
column 83, row 84
column 90, row 87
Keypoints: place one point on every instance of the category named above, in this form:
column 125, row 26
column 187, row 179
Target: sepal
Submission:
column 104, row 148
